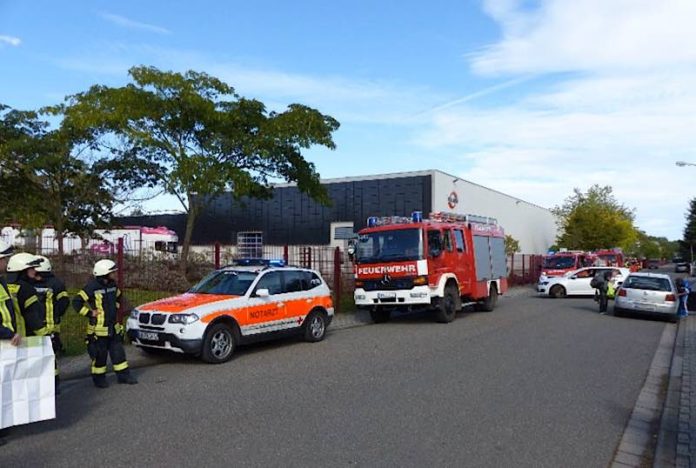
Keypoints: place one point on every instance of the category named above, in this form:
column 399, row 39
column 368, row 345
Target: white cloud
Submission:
column 622, row 117
column 11, row 40
column 124, row 22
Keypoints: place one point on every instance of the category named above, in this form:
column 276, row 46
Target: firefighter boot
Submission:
column 100, row 381
column 126, row 378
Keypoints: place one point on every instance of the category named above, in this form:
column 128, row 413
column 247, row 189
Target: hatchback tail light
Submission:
column 622, row 292
column 670, row 298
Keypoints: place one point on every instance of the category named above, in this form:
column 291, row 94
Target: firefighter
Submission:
column 8, row 323
column 100, row 300
column 30, row 313
column 55, row 298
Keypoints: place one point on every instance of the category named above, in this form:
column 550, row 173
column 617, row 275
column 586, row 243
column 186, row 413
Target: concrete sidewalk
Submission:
column 75, row 367
column 677, row 439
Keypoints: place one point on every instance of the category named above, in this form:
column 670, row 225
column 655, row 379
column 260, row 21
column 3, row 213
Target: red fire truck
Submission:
column 611, row 257
column 440, row 263
column 562, row 262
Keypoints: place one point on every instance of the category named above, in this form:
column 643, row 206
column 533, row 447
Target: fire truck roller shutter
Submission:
column 498, row 260
column 482, row 255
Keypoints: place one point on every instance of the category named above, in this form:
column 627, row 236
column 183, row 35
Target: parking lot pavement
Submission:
column 538, row 382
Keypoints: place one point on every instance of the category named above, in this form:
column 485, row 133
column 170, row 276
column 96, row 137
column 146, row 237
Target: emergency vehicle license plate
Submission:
column 386, row 295
column 149, row 336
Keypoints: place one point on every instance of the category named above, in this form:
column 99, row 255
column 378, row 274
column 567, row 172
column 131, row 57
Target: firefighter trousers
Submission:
column 104, row 347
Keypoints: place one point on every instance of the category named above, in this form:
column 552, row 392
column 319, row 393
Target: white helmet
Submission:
column 22, row 261
column 5, row 249
column 44, row 266
column 104, row 267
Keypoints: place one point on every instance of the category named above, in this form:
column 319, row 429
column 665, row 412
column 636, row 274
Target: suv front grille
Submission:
column 144, row 317
column 158, row 319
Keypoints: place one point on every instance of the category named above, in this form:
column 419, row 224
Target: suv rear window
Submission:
column 649, row 284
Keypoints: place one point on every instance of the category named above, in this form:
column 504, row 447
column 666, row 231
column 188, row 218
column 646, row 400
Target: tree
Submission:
column 689, row 240
column 512, row 245
column 197, row 138
column 53, row 182
column 595, row 220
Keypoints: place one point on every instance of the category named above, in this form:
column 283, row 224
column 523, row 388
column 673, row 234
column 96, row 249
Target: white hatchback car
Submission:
column 647, row 294
column 577, row 283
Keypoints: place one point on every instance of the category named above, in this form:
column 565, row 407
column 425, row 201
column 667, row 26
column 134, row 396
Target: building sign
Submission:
column 452, row 199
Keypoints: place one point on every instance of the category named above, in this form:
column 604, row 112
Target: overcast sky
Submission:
column 532, row 98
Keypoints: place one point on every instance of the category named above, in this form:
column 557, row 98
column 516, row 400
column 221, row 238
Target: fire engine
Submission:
column 611, row 257
column 560, row 263
column 440, row 263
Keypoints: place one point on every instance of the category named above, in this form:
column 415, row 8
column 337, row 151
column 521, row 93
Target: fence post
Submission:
column 119, row 262
column 512, row 268
column 524, row 278
column 337, row 279
column 217, row 255
column 286, row 254
column 309, row 257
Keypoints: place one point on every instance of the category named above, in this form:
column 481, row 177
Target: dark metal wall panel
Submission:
column 291, row 217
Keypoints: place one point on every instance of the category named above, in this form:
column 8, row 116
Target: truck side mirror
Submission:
column 351, row 250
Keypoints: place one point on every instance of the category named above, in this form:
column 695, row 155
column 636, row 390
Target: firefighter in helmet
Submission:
column 30, row 312
column 52, row 293
column 8, row 322
column 100, row 300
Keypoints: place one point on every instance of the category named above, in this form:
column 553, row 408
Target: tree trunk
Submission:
column 190, row 221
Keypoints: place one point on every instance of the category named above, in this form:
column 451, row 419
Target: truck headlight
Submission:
column 183, row 318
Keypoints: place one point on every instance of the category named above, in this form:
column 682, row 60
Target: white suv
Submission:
column 232, row 306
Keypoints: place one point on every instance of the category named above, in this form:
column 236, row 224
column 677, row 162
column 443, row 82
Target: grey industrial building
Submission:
column 291, row 217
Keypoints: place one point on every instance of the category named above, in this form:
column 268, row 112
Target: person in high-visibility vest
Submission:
column 100, row 300
column 30, row 311
column 8, row 322
column 55, row 298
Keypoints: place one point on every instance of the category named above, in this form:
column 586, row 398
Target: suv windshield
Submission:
column 390, row 246
column 559, row 262
column 227, row 282
column 650, row 284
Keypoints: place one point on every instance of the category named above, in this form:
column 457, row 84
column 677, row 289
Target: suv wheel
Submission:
column 315, row 326
column 218, row 345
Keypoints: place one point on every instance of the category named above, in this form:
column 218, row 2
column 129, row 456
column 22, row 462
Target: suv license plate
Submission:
column 149, row 336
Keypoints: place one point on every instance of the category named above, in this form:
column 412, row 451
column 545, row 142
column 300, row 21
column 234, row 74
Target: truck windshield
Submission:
column 390, row 246
column 225, row 282
column 559, row 262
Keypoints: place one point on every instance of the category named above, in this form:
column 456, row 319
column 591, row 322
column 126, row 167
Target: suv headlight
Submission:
column 183, row 318
column 135, row 313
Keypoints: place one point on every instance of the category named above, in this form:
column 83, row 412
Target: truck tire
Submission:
column 491, row 301
column 218, row 344
column 448, row 305
column 380, row 315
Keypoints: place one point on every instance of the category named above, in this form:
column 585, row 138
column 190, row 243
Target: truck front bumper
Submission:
column 418, row 296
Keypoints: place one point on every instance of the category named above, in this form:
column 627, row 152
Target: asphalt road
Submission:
column 538, row 382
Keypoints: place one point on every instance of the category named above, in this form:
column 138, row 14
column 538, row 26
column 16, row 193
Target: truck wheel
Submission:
column 448, row 305
column 218, row 344
column 380, row 315
column 557, row 292
column 315, row 327
column 491, row 301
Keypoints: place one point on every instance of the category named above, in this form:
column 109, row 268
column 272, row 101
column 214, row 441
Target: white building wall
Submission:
column 534, row 226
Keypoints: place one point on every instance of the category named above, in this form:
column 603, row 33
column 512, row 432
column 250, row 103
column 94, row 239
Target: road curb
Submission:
column 638, row 443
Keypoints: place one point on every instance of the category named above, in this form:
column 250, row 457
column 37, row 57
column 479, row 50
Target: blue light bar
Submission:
column 372, row 221
column 417, row 216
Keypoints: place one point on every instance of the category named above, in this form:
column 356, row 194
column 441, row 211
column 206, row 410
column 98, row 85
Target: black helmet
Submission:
column 607, row 275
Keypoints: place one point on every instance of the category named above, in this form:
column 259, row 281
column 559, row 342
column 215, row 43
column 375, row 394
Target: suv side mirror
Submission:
column 262, row 293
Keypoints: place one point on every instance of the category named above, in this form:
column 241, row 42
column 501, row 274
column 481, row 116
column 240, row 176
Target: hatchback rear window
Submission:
column 649, row 284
